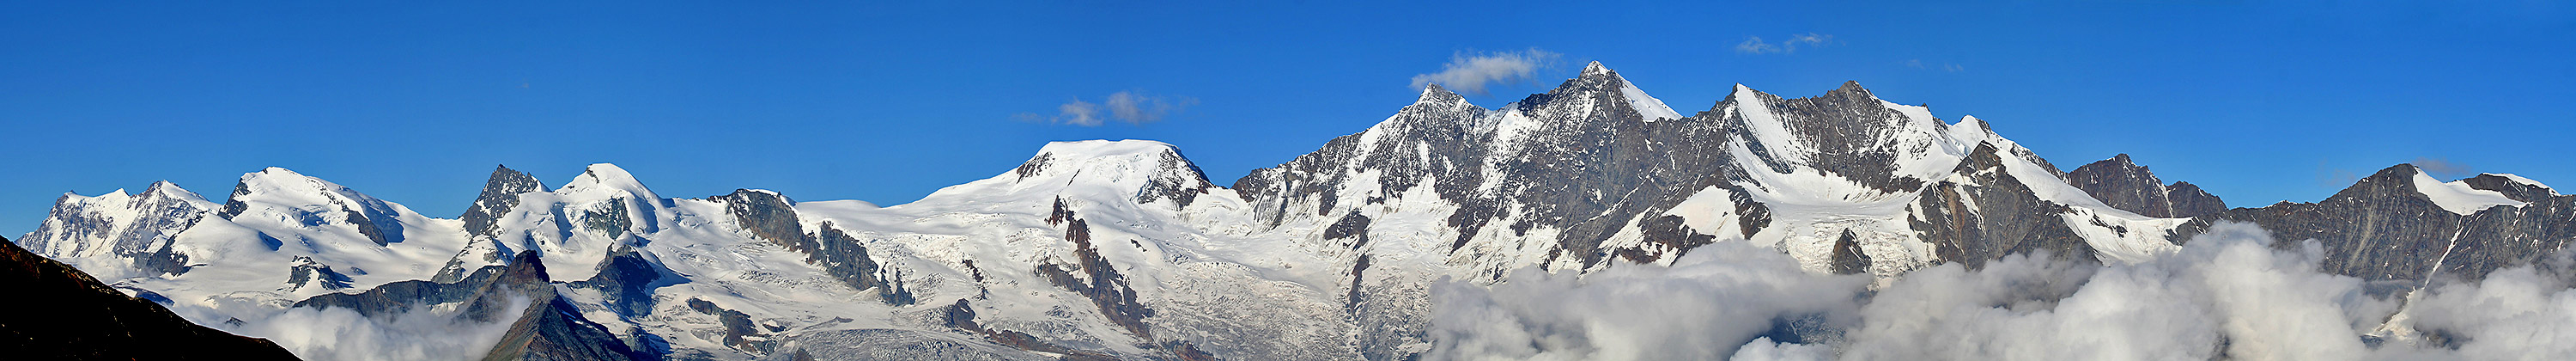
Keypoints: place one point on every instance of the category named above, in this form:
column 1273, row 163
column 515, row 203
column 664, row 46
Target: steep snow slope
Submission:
column 2458, row 197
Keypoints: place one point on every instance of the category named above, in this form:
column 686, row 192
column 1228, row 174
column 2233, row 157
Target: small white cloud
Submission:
column 1811, row 39
column 1755, row 44
column 1140, row 109
column 1078, row 112
column 1918, row 64
column 1125, row 106
column 1471, row 73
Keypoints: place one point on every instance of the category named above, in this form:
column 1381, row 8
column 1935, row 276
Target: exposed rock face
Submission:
column 1849, row 130
column 307, row 273
column 1559, row 156
column 500, row 194
column 551, row 328
column 1848, row 256
column 2384, row 228
column 772, row 217
column 2512, row 187
column 2130, row 187
column 2124, row 185
column 626, row 282
column 846, row 260
column 738, row 328
column 1098, row 280
column 59, row 313
column 769, row 216
column 1982, row 213
column 2189, row 201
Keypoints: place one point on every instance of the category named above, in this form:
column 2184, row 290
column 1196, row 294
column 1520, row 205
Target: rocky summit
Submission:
column 1125, row 250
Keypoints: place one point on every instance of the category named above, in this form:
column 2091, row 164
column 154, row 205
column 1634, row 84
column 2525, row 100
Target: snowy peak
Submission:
column 1852, row 88
column 1149, row 170
column 2458, row 196
column 280, row 199
column 1434, row 94
column 1596, row 100
column 116, row 223
column 1647, row 107
column 605, row 180
column 165, row 189
column 1846, row 133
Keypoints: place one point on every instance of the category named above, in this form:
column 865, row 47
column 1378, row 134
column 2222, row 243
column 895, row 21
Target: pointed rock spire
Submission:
column 500, row 194
column 1433, row 93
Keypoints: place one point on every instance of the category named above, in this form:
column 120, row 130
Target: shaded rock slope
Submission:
column 59, row 313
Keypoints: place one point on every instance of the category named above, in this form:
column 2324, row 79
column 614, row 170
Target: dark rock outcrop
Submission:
column 738, row 327
column 2511, row 188
column 2006, row 217
column 626, row 282
column 500, row 194
column 2189, row 201
column 772, row 217
column 2131, row 187
column 843, row 258
column 304, row 271
column 1848, row 257
column 769, row 216
column 1100, row 281
column 59, row 313
column 550, row 328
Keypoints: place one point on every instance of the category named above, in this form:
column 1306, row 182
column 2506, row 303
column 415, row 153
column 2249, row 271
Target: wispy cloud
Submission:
column 2331, row 177
column 1125, row 106
column 1918, row 64
column 1470, row 72
column 1755, row 44
column 2442, row 167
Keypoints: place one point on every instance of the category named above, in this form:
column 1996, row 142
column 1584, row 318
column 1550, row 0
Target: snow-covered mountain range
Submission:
column 1124, row 250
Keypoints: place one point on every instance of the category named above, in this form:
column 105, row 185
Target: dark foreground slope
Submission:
column 55, row 312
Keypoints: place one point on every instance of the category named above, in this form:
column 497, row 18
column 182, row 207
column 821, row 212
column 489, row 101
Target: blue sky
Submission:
column 414, row 102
